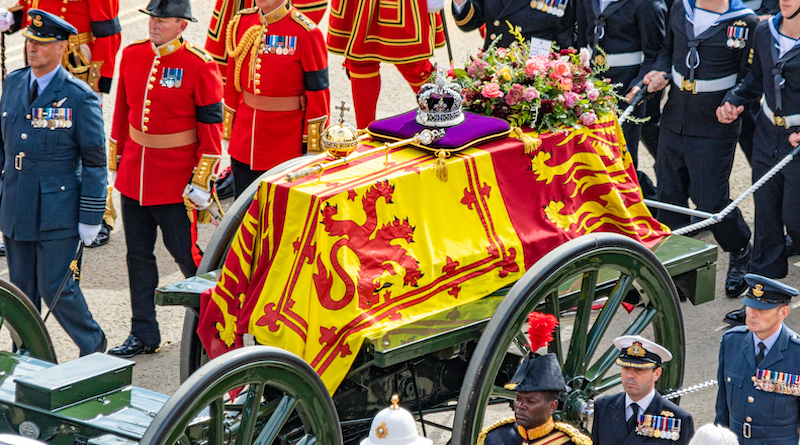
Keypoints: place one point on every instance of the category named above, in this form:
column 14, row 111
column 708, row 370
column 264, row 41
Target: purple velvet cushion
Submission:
column 475, row 130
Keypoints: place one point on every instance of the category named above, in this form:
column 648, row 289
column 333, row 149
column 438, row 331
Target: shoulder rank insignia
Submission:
column 737, row 35
column 485, row 431
column 199, row 52
column 660, row 427
column 777, row 382
column 667, row 413
column 304, row 21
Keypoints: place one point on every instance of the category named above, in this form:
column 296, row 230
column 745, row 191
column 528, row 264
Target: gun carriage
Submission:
column 448, row 361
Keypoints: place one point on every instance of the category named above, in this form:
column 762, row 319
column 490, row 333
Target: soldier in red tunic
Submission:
column 276, row 95
column 90, row 56
column 402, row 32
column 165, row 139
column 226, row 10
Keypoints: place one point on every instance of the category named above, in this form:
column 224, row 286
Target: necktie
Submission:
column 760, row 356
column 634, row 419
column 34, row 91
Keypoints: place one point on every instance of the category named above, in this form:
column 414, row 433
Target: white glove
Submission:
column 88, row 233
column 112, row 178
column 200, row 198
column 435, row 6
column 6, row 20
column 100, row 97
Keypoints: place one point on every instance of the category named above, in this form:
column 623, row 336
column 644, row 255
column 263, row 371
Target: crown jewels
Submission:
column 340, row 139
column 439, row 103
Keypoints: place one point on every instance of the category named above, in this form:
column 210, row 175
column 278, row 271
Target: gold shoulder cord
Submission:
column 499, row 423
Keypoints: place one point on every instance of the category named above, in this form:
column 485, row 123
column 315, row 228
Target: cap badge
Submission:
column 381, row 431
column 758, row 290
column 37, row 21
column 636, row 350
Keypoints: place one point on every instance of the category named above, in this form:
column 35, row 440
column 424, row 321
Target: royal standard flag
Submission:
column 321, row 263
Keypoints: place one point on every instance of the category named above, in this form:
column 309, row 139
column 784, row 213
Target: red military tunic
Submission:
column 281, row 99
column 166, row 97
column 226, row 10
column 98, row 28
column 395, row 31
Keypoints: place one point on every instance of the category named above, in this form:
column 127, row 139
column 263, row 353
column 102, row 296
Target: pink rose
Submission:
column 560, row 69
column 593, row 94
column 536, row 65
column 570, row 99
column 565, row 83
column 531, row 94
column 501, row 52
column 514, row 94
column 588, row 86
column 585, row 56
column 588, row 118
column 491, row 90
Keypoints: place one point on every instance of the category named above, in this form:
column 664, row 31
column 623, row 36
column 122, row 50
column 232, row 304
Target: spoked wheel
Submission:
column 21, row 320
column 587, row 279
column 277, row 399
column 192, row 354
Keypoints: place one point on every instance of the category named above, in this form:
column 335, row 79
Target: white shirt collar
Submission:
column 44, row 81
column 643, row 404
column 604, row 4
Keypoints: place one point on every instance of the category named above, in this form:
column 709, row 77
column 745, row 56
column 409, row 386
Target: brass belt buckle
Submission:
column 746, row 430
column 689, row 86
column 18, row 160
column 780, row 121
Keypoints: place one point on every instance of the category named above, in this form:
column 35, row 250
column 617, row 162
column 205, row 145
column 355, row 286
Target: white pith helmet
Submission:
column 13, row 439
column 394, row 426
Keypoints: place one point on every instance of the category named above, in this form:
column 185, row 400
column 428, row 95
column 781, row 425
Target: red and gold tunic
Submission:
column 91, row 54
column 168, row 115
column 276, row 95
column 394, row 31
column 225, row 10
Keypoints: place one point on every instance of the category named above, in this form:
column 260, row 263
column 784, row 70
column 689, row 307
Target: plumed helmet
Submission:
column 394, row 426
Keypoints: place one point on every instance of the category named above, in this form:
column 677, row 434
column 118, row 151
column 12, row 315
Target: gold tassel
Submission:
column 203, row 216
column 441, row 164
column 530, row 143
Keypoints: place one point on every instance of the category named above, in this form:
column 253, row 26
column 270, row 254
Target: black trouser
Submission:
column 699, row 168
column 632, row 132
column 242, row 176
column 777, row 206
column 748, row 118
column 179, row 235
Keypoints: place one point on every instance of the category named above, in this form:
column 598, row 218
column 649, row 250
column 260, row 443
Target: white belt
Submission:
column 625, row 59
column 703, row 86
column 781, row 121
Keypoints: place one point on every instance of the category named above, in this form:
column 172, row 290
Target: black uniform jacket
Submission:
column 534, row 23
column 693, row 114
column 630, row 26
column 760, row 79
column 609, row 426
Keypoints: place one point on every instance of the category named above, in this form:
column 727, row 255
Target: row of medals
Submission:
column 44, row 118
column 736, row 43
column 777, row 382
column 550, row 6
column 656, row 426
column 269, row 45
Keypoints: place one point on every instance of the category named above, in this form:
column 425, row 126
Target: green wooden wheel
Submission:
column 21, row 319
column 282, row 401
column 569, row 280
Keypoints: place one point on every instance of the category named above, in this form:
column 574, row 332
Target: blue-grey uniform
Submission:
column 552, row 20
column 752, row 400
column 775, row 76
column 54, row 176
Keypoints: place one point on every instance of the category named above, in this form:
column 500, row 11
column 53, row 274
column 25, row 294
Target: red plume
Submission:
column 540, row 329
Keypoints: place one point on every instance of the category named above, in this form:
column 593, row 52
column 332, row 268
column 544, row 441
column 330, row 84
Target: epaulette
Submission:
column 199, row 52
column 304, row 21
column 499, row 423
column 577, row 437
column 248, row 11
column 736, row 330
column 139, row 42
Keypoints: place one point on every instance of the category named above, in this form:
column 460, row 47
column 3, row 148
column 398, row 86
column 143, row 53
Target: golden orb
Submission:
column 340, row 139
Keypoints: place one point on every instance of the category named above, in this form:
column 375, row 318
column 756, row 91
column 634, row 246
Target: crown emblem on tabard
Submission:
column 758, row 290
column 636, row 349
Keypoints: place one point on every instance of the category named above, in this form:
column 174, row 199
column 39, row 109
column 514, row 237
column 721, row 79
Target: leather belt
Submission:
column 625, row 59
column 43, row 165
column 781, row 121
column 703, row 86
column 266, row 103
column 171, row 140
column 750, row 431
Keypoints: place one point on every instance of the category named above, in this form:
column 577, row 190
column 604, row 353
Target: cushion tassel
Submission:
column 531, row 144
column 441, row 165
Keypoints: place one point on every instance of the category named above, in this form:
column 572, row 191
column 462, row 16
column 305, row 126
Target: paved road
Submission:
column 105, row 279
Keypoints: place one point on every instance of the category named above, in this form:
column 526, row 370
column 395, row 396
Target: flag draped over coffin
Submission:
column 318, row 265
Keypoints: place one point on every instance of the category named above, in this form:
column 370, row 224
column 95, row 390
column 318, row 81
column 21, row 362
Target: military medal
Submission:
column 291, row 45
column 172, row 77
column 737, row 35
column 534, row 4
column 659, row 425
